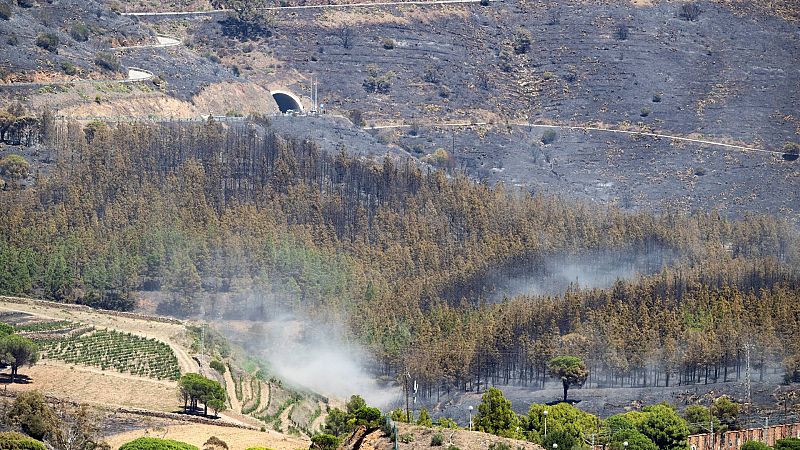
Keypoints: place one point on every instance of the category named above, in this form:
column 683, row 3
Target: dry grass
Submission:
column 84, row 385
column 195, row 434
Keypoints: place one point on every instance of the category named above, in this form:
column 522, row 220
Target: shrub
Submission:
column 149, row 443
column 657, row 97
column 406, row 438
column 484, row 2
column 644, row 112
column 787, row 444
column 25, row 3
column 218, row 366
column 432, row 74
column 437, row 440
column 499, row 445
column 12, row 40
column 388, row 43
column 31, row 413
column 79, row 32
column 549, row 136
column 5, row 10
column 18, row 441
column 621, row 33
column 376, row 83
column 47, row 41
column 548, row 75
column 689, row 11
column 14, row 166
column 107, row 61
column 570, row 76
column 69, row 68
column 424, row 418
column 522, row 41
column 754, row 445
column 322, row 442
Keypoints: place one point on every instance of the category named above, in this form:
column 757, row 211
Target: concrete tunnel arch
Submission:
column 286, row 101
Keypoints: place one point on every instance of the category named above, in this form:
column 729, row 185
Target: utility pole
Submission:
column 406, row 378
column 747, row 371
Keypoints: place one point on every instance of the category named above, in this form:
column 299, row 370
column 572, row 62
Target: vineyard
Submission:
column 78, row 343
column 123, row 352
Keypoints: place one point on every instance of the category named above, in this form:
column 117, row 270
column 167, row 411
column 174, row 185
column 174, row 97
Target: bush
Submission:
column 499, row 445
column 323, row 442
column 522, row 41
column 689, row 11
column 406, row 438
column 376, row 83
column 754, row 445
column 484, row 2
column 25, row 3
column 5, row 10
column 218, row 366
column 388, row 43
column 47, row 41
column 437, row 440
column 31, row 413
column 107, row 61
column 18, row 441
column 12, row 40
column 14, row 166
column 69, row 68
column 149, row 443
column 644, row 112
column 787, row 444
column 549, row 136
column 547, row 75
column 79, row 32
column 657, row 98
column 621, row 33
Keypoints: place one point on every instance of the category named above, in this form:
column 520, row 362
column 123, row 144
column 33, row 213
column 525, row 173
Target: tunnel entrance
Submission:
column 287, row 102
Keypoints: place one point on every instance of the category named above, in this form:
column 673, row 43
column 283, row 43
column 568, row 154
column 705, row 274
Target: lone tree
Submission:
column 195, row 389
column 570, row 369
column 18, row 351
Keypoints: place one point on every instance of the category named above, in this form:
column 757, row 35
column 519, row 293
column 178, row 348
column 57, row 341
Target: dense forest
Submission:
column 237, row 221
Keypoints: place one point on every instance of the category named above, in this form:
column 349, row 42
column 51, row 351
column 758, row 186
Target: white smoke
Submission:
column 319, row 358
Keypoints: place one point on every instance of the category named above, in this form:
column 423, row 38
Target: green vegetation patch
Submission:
column 149, row 443
column 123, row 352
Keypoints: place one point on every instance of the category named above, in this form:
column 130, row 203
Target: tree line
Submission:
column 239, row 221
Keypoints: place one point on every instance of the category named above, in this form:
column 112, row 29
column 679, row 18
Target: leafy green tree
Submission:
column 571, row 370
column 18, row 351
column 635, row 440
column 151, row 443
column 356, row 402
column 336, row 423
column 727, row 412
column 562, row 439
column 699, row 418
column 625, row 421
column 324, row 442
column 194, row 389
column 424, row 418
column 495, row 415
column 562, row 417
column 31, row 413
column 754, row 445
column 787, row 444
column 665, row 428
